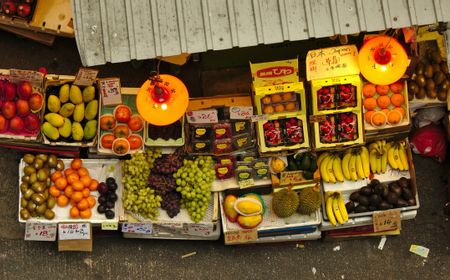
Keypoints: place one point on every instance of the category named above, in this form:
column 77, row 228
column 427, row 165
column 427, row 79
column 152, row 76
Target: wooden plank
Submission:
column 193, row 26
column 399, row 13
column 271, row 22
column 245, row 23
column 117, row 31
column 43, row 38
column 424, row 12
column 373, row 9
column 297, row 24
column 321, row 18
column 347, row 16
column 168, row 27
column 91, row 26
column 144, row 40
column 220, row 26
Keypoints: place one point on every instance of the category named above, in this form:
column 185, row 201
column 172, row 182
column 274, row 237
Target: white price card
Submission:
column 200, row 229
column 257, row 118
column 85, row 77
column 140, row 228
column 243, row 184
column 40, row 232
column 202, row 116
column 75, row 231
column 111, row 91
column 241, row 112
column 110, row 225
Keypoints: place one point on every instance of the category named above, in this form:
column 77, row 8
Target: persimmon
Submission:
column 369, row 90
column 76, row 164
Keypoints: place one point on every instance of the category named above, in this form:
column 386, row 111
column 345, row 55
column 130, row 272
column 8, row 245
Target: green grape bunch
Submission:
column 194, row 181
column 138, row 197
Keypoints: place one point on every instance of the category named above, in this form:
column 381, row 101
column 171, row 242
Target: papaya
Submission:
column 228, row 208
column 248, row 222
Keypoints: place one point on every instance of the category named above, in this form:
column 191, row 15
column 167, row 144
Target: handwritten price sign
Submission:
column 241, row 112
column 386, row 220
column 199, row 229
column 202, row 116
column 291, row 177
column 80, row 231
column 40, row 232
column 139, row 228
column 85, row 77
column 110, row 91
column 241, row 236
column 243, row 184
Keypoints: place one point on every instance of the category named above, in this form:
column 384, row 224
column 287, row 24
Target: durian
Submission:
column 309, row 200
column 285, row 203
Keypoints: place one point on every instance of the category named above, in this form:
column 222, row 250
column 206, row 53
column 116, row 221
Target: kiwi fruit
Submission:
column 421, row 94
column 442, row 95
column 428, row 71
column 438, row 77
column 430, row 85
column 444, row 67
column 432, row 94
column 421, row 81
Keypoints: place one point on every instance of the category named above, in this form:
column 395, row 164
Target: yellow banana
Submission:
column 365, row 161
column 345, row 170
column 379, row 163
column 397, row 158
column 321, row 157
column 337, row 169
column 329, row 208
column 323, row 169
column 342, row 208
column 391, row 159
column 384, row 157
column 336, row 211
column 382, row 145
column 403, row 158
column 330, row 170
column 374, row 146
column 373, row 160
column 352, row 168
column 359, row 167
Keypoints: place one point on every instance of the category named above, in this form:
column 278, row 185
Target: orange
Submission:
column 397, row 99
column 68, row 171
column 385, row 111
column 86, row 180
column 268, row 109
column 77, row 186
column 86, row 192
column 92, row 201
column 57, row 174
column 370, row 103
column 383, row 101
column 94, row 185
column 53, row 191
column 74, row 212
column 378, row 119
column 61, row 183
column 86, row 214
column 76, row 164
column 68, row 191
column 369, row 90
column 401, row 110
column 276, row 98
column 279, row 108
column 73, row 203
column 83, row 204
column 83, row 171
column 287, row 96
column 77, row 196
column 368, row 115
column 290, row 106
column 394, row 117
column 266, row 100
column 382, row 90
column 62, row 201
column 396, row 87
column 72, row 177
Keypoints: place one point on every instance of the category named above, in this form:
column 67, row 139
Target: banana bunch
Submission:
column 355, row 164
column 381, row 153
column 330, row 167
column 335, row 207
column 396, row 156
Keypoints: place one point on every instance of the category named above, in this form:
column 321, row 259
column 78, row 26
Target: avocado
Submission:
column 354, row 196
column 308, row 175
column 395, row 188
column 407, row 194
column 313, row 165
column 306, row 162
column 350, row 206
column 385, row 206
column 365, row 191
column 374, row 200
column 401, row 203
column 292, row 166
column 403, row 182
column 363, row 200
column 392, row 198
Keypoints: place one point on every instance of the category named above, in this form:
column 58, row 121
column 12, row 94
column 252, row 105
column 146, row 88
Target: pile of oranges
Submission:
column 386, row 99
column 74, row 186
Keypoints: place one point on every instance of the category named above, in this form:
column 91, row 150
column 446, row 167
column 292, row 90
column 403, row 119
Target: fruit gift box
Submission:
column 121, row 129
column 70, row 113
column 21, row 9
column 385, row 106
column 21, row 103
column 171, row 135
column 280, row 99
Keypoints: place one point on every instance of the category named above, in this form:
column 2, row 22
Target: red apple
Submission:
column 22, row 107
column 9, row 7
column 4, row 124
column 31, row 122
column 35, row 102
column 2, row 86
column 9, row 91
column 9, row 109
column 23, row 10
column 16, row 124
column 24, row 90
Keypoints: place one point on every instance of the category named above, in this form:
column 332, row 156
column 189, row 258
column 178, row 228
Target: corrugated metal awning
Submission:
column 123, row 30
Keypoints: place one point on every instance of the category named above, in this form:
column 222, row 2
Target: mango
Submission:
column 88, row 94
column 66, row 129
column 53, row 104
column 91, row 110
column 78, row 113
column 64, row 93
column 50, row 131
column 67, row 110
column 54, row 119
column 90, row 129
column 249, row 221
column 228, row 208
column 248, row 206
column 75, row 95
column 77, row 131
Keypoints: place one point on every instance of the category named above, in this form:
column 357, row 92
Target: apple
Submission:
column 35, row 102
column 31, row 122
column 23, row 10
column 9, row 7
column 9, row 109
column 9, row 91
column 4, row 124
column 16, row 124
column 24, row 90
column 2, row 86
column 22, row 107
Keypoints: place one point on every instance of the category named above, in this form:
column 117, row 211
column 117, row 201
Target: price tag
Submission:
column 257, row 118
column 386, row 220
column 202, row 116
column 40, row 232
column 139, row 228
column 332, row 62
column 241, row 112
column 291, row 177
column 110, row 225
column 246, row 183
column 110, row 91
column 35, row 78
column 85, row 77
column 241, row 236
column 200, row 229
column 79, row 231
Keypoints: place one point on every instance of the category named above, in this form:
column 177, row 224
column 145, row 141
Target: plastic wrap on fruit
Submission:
column 430, row 141
column 325, row 98
column 272, row 133
column 294, row 131
column 346, row 96
column 348, row 129
column 327, row 130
